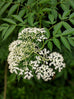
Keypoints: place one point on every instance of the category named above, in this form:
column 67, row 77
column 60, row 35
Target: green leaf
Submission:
column 72, row 63
column 12, row 9
column 60, row 17
column 72, row 3
column 31, row 18
column 57, row 28
column 1, row 4
column 65, row 43
column 30, row 1
column 65, row 14
column 72, row 38
column 68, row 31
column 43, row 1
column 71, row 41
column 51, row 18
column 21, row 28
column 9, row 31
column 4, row 25
column 57, row 43
column 35, row 23
column 47, row 33
column 71, row 16
column 50, row 45
column 58, row 75
column 66, row 25
column 18, row 18
column 72, row 21
column 2, row 28
column 22, row 12
column 46, row 9
column 11, row 78
column 4, row 8
column 65, row 6
column 54, row 13
column 9, row 20
column 46, row 23
column 4, row 31
column 45, row 42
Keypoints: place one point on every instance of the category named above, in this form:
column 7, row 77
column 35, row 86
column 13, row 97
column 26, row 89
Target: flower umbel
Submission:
column 28, row 59
column 43, row 64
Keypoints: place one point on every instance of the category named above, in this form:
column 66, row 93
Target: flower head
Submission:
column 27, row 59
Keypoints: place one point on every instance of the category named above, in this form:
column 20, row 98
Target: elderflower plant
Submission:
column 28, row 59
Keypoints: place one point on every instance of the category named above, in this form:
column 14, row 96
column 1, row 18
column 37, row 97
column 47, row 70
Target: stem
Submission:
column 5, row 81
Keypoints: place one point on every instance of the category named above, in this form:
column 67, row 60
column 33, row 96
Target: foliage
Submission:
column 57, row 16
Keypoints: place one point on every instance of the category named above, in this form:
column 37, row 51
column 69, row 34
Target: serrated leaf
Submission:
column 35, row 23
column 4, row 31
column 71, row 16
column 57, row 43
column 47, row 33
column 68, row 31
column 66, row 25
column 71, row 41
column 65, row 6
column 9, row 31
column 12, row 9
column 54, row 12
column 21, row 13
column 4, row 25
column 18, row 18
column 72, row 21
column 51, row 18
column 50, row 45
column 46, row 23
column 65, row 43
column 45, row 42
column 4, row 8
column 31, row 18
column 21, row 28
column 59, row 34
column 46, row 9
column 9, row 20
column 65, row 14
column 57, row 28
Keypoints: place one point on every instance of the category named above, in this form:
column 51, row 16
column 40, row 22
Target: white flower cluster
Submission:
column 28, row 60
column 14, row 44
column 34, row 33
column 43, row 62
column 19, row 50
column 57, row 61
